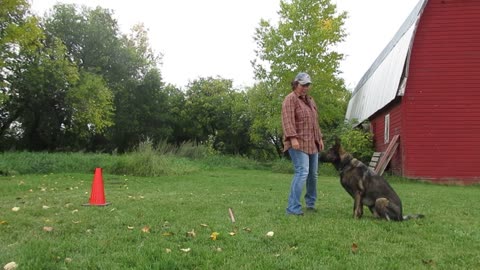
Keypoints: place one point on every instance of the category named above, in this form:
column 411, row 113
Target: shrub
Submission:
column 356, row 141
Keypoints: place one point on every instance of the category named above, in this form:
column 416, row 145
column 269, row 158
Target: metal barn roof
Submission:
column 385, row 79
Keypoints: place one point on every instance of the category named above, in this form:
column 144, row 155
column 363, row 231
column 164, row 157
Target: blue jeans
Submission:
column 305, row 171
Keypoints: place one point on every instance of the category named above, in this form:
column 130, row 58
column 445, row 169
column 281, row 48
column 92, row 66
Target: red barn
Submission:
column 425, row 87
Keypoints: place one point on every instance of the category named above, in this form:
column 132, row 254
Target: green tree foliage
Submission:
column 38, row 89
column 178, row 119
column 142, row 112
column 303, row 40
column 208, row 105
column 218, row 115
column 356, row 140
column 19, row 35
column 18, row 31
column 128, row 66
column 263, row 107
column 90, row 102
column 91, row 37
column 52, row 102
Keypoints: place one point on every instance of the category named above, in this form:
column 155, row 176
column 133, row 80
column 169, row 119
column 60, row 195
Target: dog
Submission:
column 365, row 186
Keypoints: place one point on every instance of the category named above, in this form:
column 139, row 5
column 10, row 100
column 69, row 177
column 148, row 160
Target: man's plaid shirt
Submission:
column 300, row 120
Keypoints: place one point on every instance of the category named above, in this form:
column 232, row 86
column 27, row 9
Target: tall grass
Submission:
column 147, row 159
column 12, row 163
column 144, row 161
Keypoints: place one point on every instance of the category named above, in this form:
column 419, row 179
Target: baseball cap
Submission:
column 303, row 78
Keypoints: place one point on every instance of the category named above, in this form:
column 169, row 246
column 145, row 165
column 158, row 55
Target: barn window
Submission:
column 386, row 132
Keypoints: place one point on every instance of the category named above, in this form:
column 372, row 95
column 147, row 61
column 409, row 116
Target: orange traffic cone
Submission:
column 97, row 197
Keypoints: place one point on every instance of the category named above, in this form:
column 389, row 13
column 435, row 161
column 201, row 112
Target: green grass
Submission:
column 100, row 238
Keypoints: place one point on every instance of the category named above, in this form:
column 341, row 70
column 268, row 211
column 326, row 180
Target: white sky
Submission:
column 201, row 38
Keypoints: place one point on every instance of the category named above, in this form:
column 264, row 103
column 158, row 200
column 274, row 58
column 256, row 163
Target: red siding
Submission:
column 441, row 104
column 378, row 126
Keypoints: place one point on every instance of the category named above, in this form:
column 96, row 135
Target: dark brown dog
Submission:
column 365, row 186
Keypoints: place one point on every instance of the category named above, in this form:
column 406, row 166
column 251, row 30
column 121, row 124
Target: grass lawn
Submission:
column 148, row 223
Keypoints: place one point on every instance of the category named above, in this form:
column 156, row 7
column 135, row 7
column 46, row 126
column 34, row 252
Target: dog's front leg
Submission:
column 357, row 205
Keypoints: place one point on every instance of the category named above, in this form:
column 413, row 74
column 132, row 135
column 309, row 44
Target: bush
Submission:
column 356, row 141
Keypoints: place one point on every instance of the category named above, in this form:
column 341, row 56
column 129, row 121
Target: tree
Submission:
column 265, row 132
column 38, row 89
column 19, row 35
column 142, row 112
column 90, row 103
column 303, row 41
column 208, row 104
column 178, row 117
column 127, row 65
column 218, row 115
column 52, row 103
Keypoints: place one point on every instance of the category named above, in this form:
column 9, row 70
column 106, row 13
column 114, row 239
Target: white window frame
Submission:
column 386, row 131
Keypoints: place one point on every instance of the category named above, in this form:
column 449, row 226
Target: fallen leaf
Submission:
column 130, row 227
column 45, row 207
column 167, row 234
column 204, row 225
column 231, row 233
column 15, row 209
column 167, row 250
column 247, row 229
column 3, row 222
column 74, row 211
column 270, row 234
column 76, row 221
column 214, row 236
column 185, row 249
column 191, row 233
column 219, row 249
column 146, row 229
column 48, row 229
column 10, row 266
column 354, row 248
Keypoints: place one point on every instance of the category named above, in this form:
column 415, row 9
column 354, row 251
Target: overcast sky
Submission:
column 201, row 38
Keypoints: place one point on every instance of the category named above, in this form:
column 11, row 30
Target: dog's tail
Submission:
column 415, row 216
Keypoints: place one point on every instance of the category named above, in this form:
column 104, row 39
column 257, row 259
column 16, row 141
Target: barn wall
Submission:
column 378, row 127
column 442, row 98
